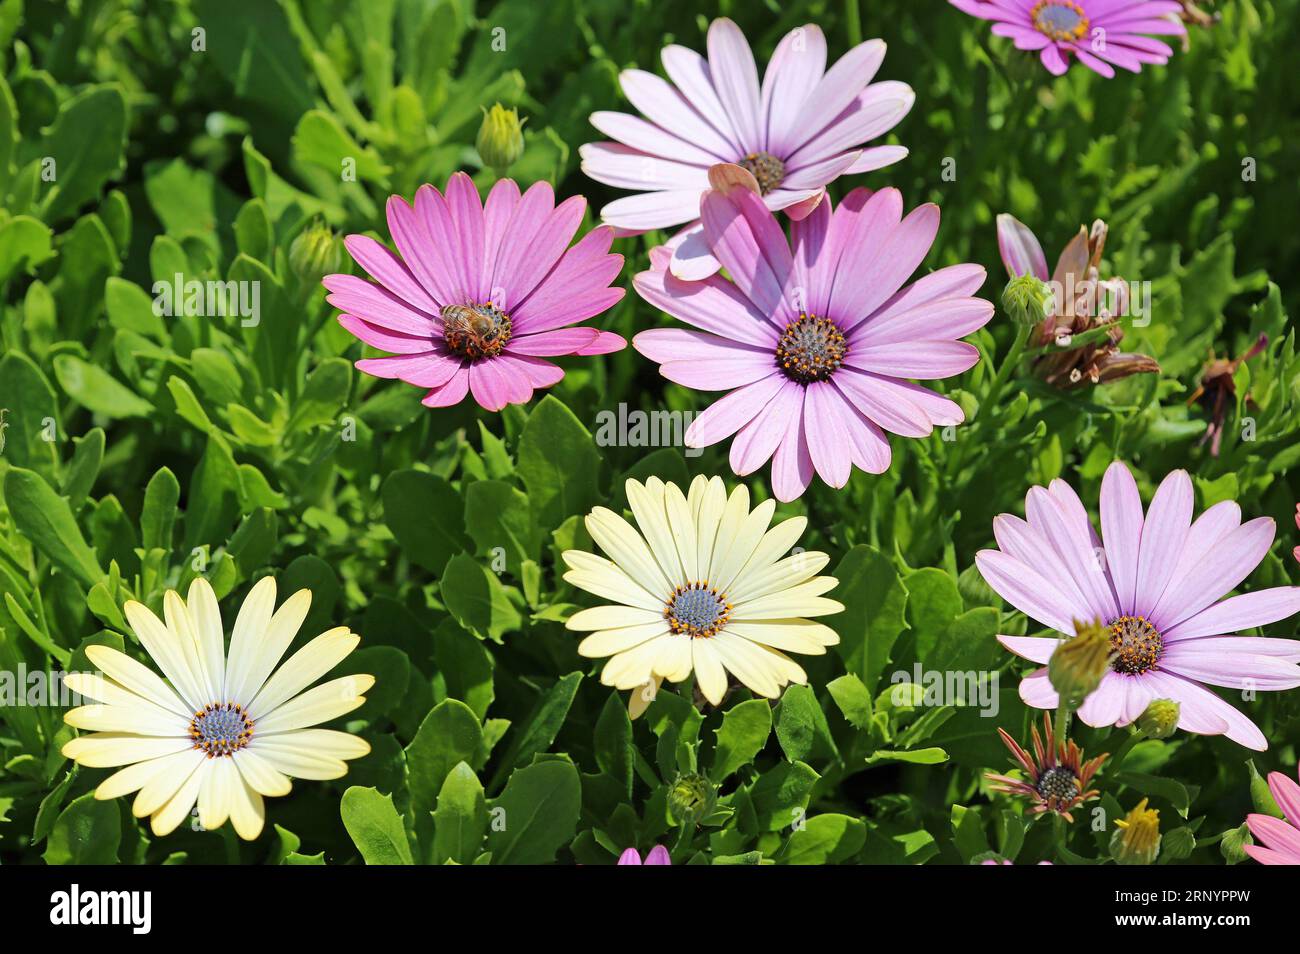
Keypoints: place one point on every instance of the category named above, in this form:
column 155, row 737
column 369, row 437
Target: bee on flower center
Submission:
column 475, row 331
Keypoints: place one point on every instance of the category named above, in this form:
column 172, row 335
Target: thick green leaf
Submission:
column 536, row 814
column 375, row 827
column 461, row 819
column 449, row 734
column 742, row 735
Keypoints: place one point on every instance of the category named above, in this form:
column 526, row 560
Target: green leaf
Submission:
column 558, row 463
column 874, row 599
column 742, row 735
column 323, row 396
column 87, row 832
column 537, row 813
column 933, row 602
column 254, row 48
column 853, row 699
column 825, row 840
column 426, row 516
column 449, row 734
column 98, row 391
column 543, row 723
column 780, row 795
column 46, row 519
column 615, row 753
column 158, row 515
column 801, row 726
column 88, row 145
column 497, row 515
column 24, row 244
column 461, row 819
column 321, row 140
column 465, row 666
column 930, row 756
column 84, row 467
column 476, row 598
column 30, row 424
column 375, row 827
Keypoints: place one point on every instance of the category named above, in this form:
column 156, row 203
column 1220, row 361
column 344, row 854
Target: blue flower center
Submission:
column 221, row 729
column 1060, row 19
column 697, row 610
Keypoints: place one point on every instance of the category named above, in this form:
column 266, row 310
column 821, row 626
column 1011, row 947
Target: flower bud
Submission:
column 1159, row 719
column 315, row 253
column 1260, row 794
column 1028, row 300
column 1137, row 836
column 500, row 140
column 690, row 799
column 1233, row 845
column 1079, row 663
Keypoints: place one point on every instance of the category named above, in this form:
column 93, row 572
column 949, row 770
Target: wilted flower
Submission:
column 1079, row 664
column 658, row 855
column 500, row 140
column 1156, row 580
column 1281, row 838
column 1160, row 719
column 1102, row 34
column 1192, row 13
column 1056, row 777
column 700, row 585
column 480, row 295
column 816, row 337
column 226, row 728
column 805, row 127
column 1136, row 840
column 1086, row 307
column 1218, row 389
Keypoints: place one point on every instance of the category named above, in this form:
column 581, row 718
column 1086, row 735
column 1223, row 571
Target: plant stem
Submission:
column 1122, row 752
column 1062, row 722
column 853, row 19
column 1008, row 367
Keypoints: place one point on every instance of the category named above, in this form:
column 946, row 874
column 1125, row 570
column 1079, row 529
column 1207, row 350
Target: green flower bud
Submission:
column 1137, row 836
column 1159, row 719
column 690, row 799
column 1028, row 300
column 1260, row 795
column 1233, row 845
column 500, row 140
column 315, row 253
column 1078, row 664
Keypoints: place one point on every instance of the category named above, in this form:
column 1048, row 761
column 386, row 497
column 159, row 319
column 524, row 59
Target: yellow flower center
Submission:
column 1136, row 643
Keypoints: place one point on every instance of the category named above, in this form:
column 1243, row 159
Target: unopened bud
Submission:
column 1028, row 300
column 500, row 140
column 1233, row 845
column 1079, row 663
column 315, row 253
column 1159, row 719
column 690, row 799
column 1137, row 836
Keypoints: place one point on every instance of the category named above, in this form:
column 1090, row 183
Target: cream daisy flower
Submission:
column 700, row 585
column 223, row 729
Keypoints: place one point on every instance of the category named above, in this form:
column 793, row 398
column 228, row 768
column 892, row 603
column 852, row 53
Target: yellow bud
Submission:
column 1137, row 836
column 500, row 140
column 1078, row 664
column 1159, row 719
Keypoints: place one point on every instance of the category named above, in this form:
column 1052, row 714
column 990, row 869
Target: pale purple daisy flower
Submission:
column 1155, row 580
column 1281, row 838
column 658, row 855
column 480, row 295
column 802, row 128
column 1101, row 34
column 817, row 336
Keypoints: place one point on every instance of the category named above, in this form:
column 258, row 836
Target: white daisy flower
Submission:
column 222, row 729
column 703, row 587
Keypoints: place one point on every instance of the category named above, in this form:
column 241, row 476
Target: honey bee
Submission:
column 475, row 331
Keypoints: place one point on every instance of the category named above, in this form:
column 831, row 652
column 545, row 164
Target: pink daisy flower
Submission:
column 804, row 127
column 658, row 855
column 480, row 295
column 1102, row 34
column 1281, row 838
column 815, row 342
column 1156, row 580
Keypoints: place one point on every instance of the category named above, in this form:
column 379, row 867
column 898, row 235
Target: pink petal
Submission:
column 630, row 857
column 948, row 319
column 377, row 305
column 658, row 855
column 1275, row 833
column 816, row 174
column 494, row 388
column 1287, row 795
column 1036, row 690
column 885, row 272
column 1232, row 669
column 576, row 288
column 922, row 360
column 1027, row 590
column 1239, row 612
column 453, row 392
column 1105, row 704
column 653, row 210
column 1121, row 526
column 692, row 259
column 1037, row 649
column 858, row 237
column 1021, row 253
column 746, row 239
column 883, row 404
column 877, row 157
column 696, row 112
column 466, row 211
column 757, row 441
column 729, row 414
column 649, row 138
column 735, row 78
column 1053, row 60
column 1029, row 544
column 826, row 431
column 391, row 272
column 868, row 446
column 1163, row 534
column 384, row 339
column 1071, row 544
column 1202, row 710
column 1220, row 569
column 421, row 254
column 497, row 213
column 626, row 168
column 712, row 304
column 792, row 466
column 606, row 343
column 430, row 370
column 537, row 243
column 549, row 343
column 664, row 345
column 792, row 74
column 873, row 112
column 838, row 88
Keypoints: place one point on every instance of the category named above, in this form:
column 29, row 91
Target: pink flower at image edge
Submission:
column 801, row 129
column 481, row 293
column 1101, row 34
column 1281, row 838
column 658, row 855
column 816, row 337
column 1156, row 580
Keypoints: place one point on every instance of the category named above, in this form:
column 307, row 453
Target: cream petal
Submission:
column 176, row 616
column 166, row 650
column 610, row 642
column 134, row 777
column 607, row 580
column 247, row 811
column 611, row 617
column 206, row 614
column 788, row 635
column 168, row 818
column 249, row 668
column 217, row 792
column 326, row 742
column 710, row 675
column 640, row 698
column 250, row 624
column 711, row 505
column 111, row 749
column 634, row 668
column 776, row 543
column 327, row 701
column 682, row 525
column 142, row 719
column 781, row 575
column 736, row 553
column 647, row 505
column 303, row 668
column 263, row 777
column 138, row 678
column 286, row 757
column 734, row 517
column 674, row 660
column 627, row 548
column 748, row 663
